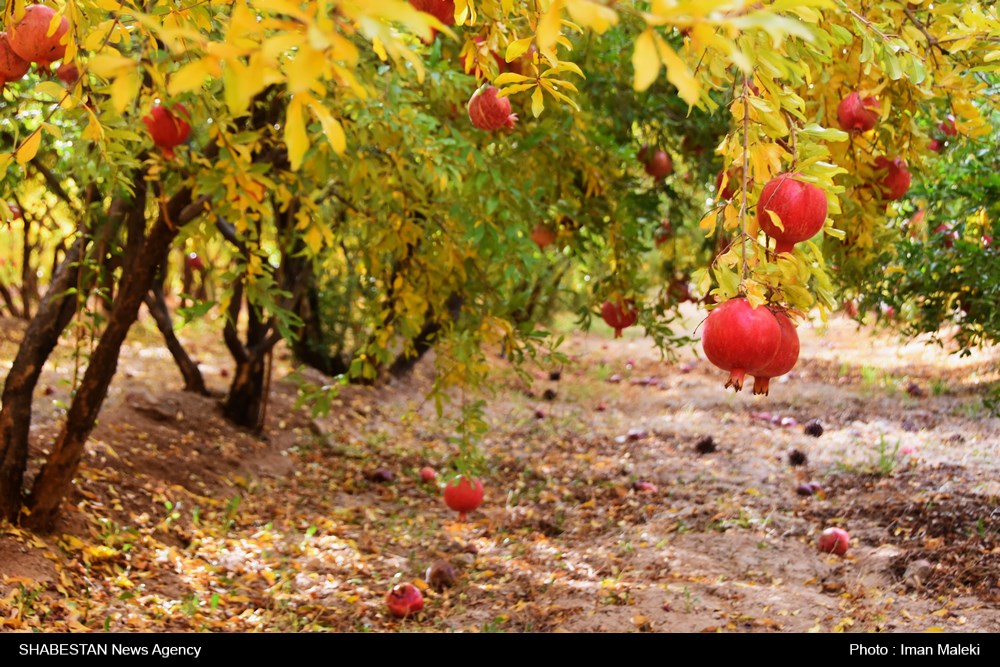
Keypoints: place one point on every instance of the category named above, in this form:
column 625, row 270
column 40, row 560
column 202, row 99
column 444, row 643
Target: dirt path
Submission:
column 180, row 522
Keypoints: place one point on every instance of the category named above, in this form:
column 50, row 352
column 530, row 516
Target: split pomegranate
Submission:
column 489, row 112
column 619, row 315
column 740, row 339
column 463, row 496
column 834, row 541
column 404, row 600
column 897, row 178
column 784, row 359
column 30, row 38
column 948, row 126
column 543, row 235
column 800, row 206
column 858, row 114
column 12, row 66
column 168, row 129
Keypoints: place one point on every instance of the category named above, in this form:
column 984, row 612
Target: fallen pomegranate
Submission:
column 543, row 235
column 656, row 163
column 858, row 114
column 463, row 496
column 897, row 178
column 800, row 206
column 489, row 112
column 404, row 600
column 785, row 358
column 167, row 127
column 619, row 315
column 12, row 66
column 834, row 541
column 30, row 38
column 740, row 339
column 948, row 126
column 427, row 475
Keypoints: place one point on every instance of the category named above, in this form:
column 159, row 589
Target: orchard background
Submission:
column 282, row 283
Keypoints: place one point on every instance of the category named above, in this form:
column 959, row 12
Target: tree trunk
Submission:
column 157, row 305
column 56, row 476
column 244, row 405
column 54, row 314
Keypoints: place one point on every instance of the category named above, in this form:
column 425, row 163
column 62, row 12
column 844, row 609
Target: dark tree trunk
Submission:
column 9, row 301
column 244, row 405
column 157, row 305
column 54, row 314
column 29, row 279
column 56, row 476
column 309, row 345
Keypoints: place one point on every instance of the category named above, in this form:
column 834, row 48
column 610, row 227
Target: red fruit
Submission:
column 834, row 541
column 897, row 179
column 658, row 164
column 949, row 235
column 463, row 496
column 68, row 73
column 851, row 309
column 168, row 129
column 543, row 235
column 489, row 112
column 427, row 475
column 645, row 487
column 801, row 207
column 404, row 600
column 12, row 66
column 858, row 114
column 936, row 145
column 620, row 315
column 30, row 38
column 442, row 10
column 663, row 233
column 784, row 359
column 733, row 185
column 15, row 212
column 193, row 262
column 740, row 339
column 948, row 126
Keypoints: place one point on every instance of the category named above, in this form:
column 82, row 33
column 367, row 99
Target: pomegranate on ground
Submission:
column 740, row 339
column 12, row 66
column 489, row 112
column 834, row 541
column 463, row 496
column 800, row 206
column 619, row 315
column 858, row 114
column 404, row 600
column 427, row 475
column 167, row 127
column 30, row 38
column 897, row 178
column 784, row 359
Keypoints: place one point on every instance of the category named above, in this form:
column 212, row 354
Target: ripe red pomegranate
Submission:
column 12, row 66
column 489, row 112
column 543, row 235
column 68, row 73
column 656, row 163
column 936, row 145
column 30, row 38
column 740, row 339
column 168, row 129
column 463, row 496
column 834, row 541
column 858, row 114
column 193, row 262
column 897, row 179
column 427, row 475
column 784, row 359
column 801, row 207
column 404, row 600
column 619, row 315
column 442, row 10
column 948, row 126
column 733, row 185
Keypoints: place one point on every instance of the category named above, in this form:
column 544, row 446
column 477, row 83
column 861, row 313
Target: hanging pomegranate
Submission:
column 784, row 359
column 68, row 73
column 619, row 315
column 543, row 235
column 442, row 10
column 30, row 38
column 463, row 496
column 734, row 182
column 858, row 114
column 740, row 339
column 167, row 127
column 801, row 207
column 12, row 66
column 897, row 179
column 489, row 112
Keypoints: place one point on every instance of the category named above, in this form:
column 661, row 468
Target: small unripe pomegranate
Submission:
column 619, row 315
column 463, row 496
column 834, row 541
column 168, row 129
column 784, row 359
column 740, row 339
column 897, row 178
column 427, row 475
column 12, row 66
column 543, row 235
column 858, row 114
column 801, row 207
column 489, row 112
column 30, row 38
column 948, row 126
column 404, row 600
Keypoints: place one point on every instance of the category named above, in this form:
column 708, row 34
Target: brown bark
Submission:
column 157, row 305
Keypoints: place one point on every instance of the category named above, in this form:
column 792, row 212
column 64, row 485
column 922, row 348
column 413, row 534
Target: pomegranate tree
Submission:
column 167, row 127
column 463, row 495
column 858, row 114
column 12, row 66
column 619, row 315
column 897, row 178
column 30, row 37
column 404, row 600
column 740, row 339
column 489, row 112
column 784, row 359
column 800, row 206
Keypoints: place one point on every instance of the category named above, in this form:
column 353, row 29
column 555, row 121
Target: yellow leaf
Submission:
column 52, row 89
column 308, row 66
column 549, row 27
column 124, row 90
column 93, row 131
column 645, row 61
column 296, row 138
column 537, row 102
column 314, row 239
column 27, row 150
column 775, row 219
column 509, row 77
column 106, row 65
column 240, row 84
column 678, row 73
column 332, row 128
column 518, row 48
column 592, row 15
column 192, row 76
